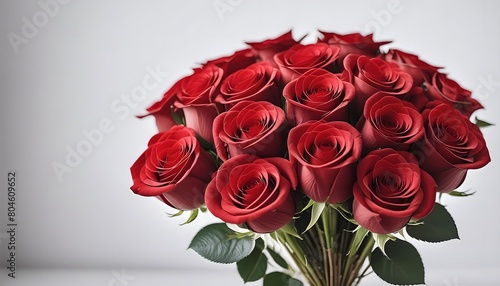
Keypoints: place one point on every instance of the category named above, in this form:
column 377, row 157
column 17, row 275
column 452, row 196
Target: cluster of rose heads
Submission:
column 337, row 121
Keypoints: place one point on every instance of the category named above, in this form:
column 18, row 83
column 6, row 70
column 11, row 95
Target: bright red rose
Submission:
column 253, row 191
column 196, row 96
column 324, row 155
column 391, row 189
column 258, row 82
column 250, row 128
column 318, row 95
column 174, row 168
column 162, row 109
column 301, row 58
column 451, row 146
column 230, row 64
column 266, row 50
column 354, row 43
column 446, row 90
column 371, row 75
column 411, row 64
column 389, row 122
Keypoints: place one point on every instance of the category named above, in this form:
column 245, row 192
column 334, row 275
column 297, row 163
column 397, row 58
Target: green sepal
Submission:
column 317, row 209
column 481, row 123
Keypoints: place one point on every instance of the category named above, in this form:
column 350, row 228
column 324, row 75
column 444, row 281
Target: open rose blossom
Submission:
column 371, row 75
column 300, row 58
column 452, row 145
column 318, row 95
column 266, row 50
column 449, row 91
column 250, row 128
column 391, row 189
column 196, row 95
column 257, row 82
column 325, row 155
column 389, row 122
column 174, row 168
column 353, row 43
column 253, row 191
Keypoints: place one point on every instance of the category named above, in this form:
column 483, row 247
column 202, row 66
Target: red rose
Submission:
column 451, row 146
column 250, row 128
column 230, row 64
column 196, row 96
column 370, row 75
column 162, row 109
column 174, row 168
column 317, row 95
column 391, row 189
column 299, row 59
column 324, row 155
column 354, row 43
column 446, row 90
column 411, row 64
column 266, row 50
column 389, row 122
column 253, row 191
column 256, row 82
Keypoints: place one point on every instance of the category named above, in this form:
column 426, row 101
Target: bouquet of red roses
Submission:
column 315, row 157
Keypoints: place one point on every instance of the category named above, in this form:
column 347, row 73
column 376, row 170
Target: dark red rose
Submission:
column 324, row 155
column 318, row 95
column 253, row 191
column 266, row 50
column 162, row 109
column 230, row 64
column 301, row 58
column 258, row 82
column 196, row 96
column 389, row 122
column 174, row 168
column 417, row 97
column 446, row 90
column 371, row 75
column 451, row 146
column 391, row 189
column 250, row 128
column 354, row 43
column 411, row 64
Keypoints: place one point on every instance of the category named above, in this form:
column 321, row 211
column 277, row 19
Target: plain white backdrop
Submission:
column 70, row 68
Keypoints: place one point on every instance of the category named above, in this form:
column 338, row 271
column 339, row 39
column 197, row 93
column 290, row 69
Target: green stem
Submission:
column 297, row 251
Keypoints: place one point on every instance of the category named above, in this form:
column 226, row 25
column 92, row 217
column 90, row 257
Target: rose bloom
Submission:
column 451, row 146
column 389, row 122
column 162, row 109
column 250, row 128
column 446, row 90
column 325, row 155
column 391, row 189
column 196, row 95
column 257, row 82
column 301, row 58
column 412, row 64
column 371, row 75
column 174, row 168
column 354, row 43
column 266, row 50
column 253, row 191
column 318, row 95
column 230, row 64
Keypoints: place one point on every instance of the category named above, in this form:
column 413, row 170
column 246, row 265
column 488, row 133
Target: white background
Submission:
column 69, row 72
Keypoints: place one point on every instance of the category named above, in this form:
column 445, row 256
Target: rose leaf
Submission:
column 438, row 226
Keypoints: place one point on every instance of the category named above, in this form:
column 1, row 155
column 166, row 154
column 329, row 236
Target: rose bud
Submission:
column 451, row 146
column 389, row 122
column 174, row 168
column 301, row 58
column 250, row 128
column 324, row 155
column 318, row 95
column 258, row 82
column 391, row 189
column 253, row 191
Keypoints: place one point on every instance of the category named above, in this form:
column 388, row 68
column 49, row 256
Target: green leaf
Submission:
column 214, row 242
column 204, row 143
column 437, row 226
column 177, row 119
column 254, row 266
column 192, row 216
column 317, row 209
column 280, row 279
column 277, row 258
column 461, row 194
column 481, row 123
column 402, row 265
